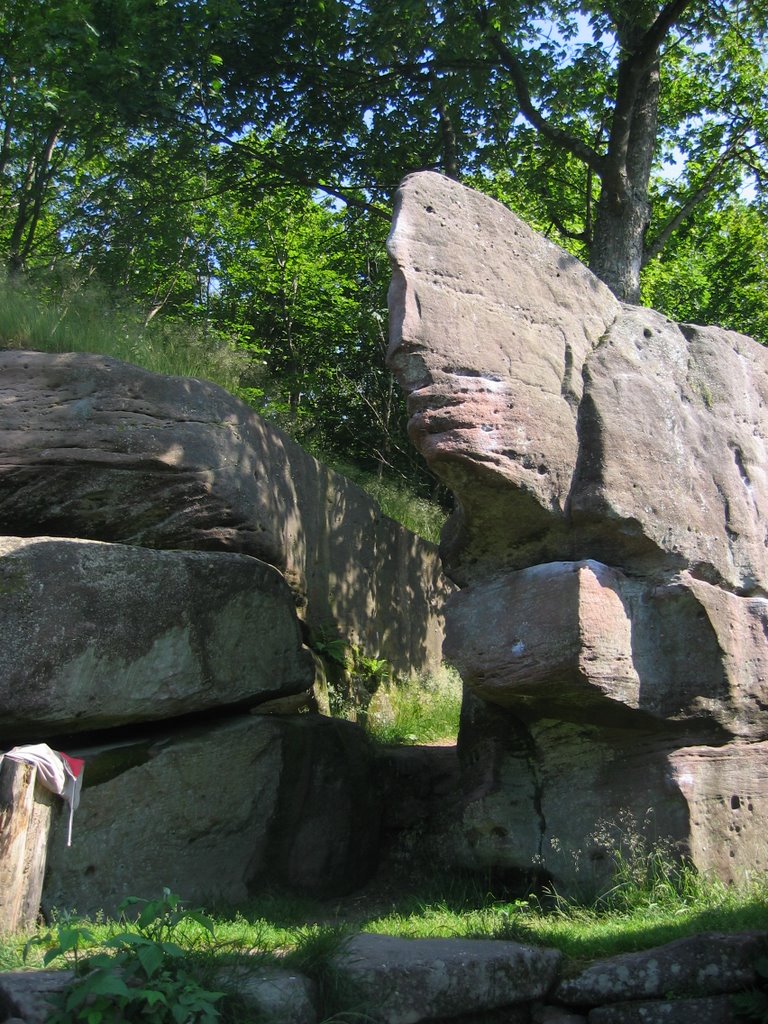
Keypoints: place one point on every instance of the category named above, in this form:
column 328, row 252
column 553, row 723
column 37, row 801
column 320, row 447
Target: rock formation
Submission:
column 96, row 449
column 161, row 546
column 610, row 535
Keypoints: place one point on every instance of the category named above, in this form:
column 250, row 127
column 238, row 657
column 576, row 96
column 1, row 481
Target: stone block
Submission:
column 102, row 635
column 403, row 981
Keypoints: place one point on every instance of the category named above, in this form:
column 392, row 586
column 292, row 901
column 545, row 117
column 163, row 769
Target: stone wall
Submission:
column 407, row 981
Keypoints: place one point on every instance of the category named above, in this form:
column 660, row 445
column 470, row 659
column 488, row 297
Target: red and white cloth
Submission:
column 58, row 772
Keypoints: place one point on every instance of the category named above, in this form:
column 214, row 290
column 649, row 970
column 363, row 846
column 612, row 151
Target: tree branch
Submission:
column 337, row 190
column 645, row 52
column 512, row 64
column 706, row 185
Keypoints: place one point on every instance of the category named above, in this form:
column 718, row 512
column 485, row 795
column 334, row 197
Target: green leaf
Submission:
column 151, row 958
column 104, row 983
column 152, row 996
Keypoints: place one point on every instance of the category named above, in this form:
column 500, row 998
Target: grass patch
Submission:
column 582, row 931
column 398, row 501
column 421, row 710
column 304, row 935
column 85, row 320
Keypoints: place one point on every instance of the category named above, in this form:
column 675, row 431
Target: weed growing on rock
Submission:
column 315, row 947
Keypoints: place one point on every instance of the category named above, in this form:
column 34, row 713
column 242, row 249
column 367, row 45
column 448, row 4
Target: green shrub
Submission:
column 140, row 973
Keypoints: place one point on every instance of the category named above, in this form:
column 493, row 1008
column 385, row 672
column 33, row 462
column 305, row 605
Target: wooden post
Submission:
column 25, row 821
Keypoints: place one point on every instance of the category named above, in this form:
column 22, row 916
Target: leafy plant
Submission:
column 372, row 672
column 139, row 973
column 329, row 645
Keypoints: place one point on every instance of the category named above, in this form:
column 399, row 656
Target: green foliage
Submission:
column 421, row 710
column 140, row 973
column 714, row 271
column 87, row 320
column 400, row 500
column 327, row 642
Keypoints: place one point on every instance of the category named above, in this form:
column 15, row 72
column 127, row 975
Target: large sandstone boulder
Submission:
column 101, row 635
column 545, row 800
column 213, row 811
column 610, row 535
column 570, row 426
column 93, row 448
column 586, row 642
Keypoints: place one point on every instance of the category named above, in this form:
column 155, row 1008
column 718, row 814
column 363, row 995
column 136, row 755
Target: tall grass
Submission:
column 421, row 710
column 86, row 320
column 398, row 501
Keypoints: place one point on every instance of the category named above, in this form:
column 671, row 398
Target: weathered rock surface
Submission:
column 27, row 994
column 707, row 964
column 569, row 426
column 711, row 1010
column 541, row 1014
column 610, row 535
column 100, row 635
column 584, row 641
column 271, row 994
column 402, row 981
column 94, row 448
column 490, row 326
column 213, row 812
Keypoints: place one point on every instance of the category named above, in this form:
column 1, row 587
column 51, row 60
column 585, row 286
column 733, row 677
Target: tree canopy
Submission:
column 232, row 163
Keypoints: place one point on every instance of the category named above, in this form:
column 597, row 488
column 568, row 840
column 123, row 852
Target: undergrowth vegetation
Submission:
column 421, row 710
column 365, row 689
column 180, row 958
column 86, row 320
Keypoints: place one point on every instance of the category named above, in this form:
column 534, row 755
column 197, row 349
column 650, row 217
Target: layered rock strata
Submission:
column 96, row 449
column 610, row 534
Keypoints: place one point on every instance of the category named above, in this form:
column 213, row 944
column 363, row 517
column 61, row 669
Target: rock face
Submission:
column 104, row 635
column 610, row 536
column 162, row 544
column 202, row 810
column 401, row 982
column 93, row 448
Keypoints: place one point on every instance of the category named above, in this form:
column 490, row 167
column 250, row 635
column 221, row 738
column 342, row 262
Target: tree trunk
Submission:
column 25, row 819
column 616, row 253
column 624, row 210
